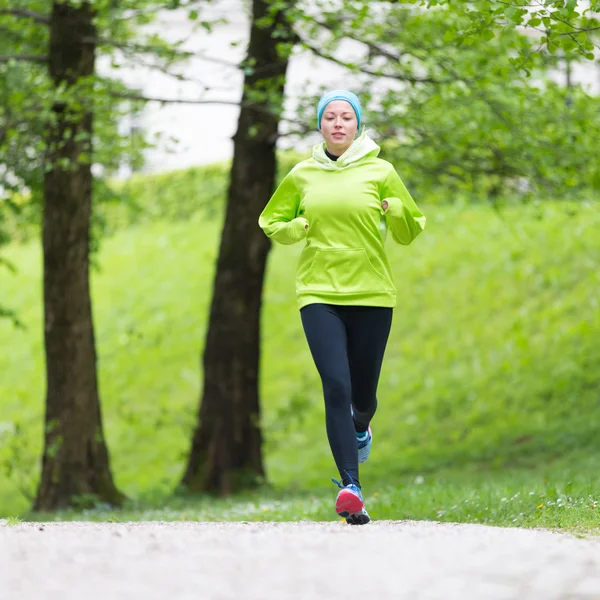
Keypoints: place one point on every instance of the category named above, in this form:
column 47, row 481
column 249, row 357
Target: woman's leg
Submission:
column 368, row 332
column 327, row 339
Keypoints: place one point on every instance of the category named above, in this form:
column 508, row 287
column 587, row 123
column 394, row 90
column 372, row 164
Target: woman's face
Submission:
column 339, row 126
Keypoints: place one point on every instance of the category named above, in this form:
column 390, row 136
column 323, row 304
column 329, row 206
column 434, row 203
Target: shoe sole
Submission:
column 352, row 508
column 358, row 519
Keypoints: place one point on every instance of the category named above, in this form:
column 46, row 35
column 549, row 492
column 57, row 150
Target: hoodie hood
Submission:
column 361, row 147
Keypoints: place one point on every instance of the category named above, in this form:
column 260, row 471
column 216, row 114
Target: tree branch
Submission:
column 141, row 98
column 578, row 30
column 397, row 76
column 156, row 50
column 39, row 58
column 26, row 14
column 132, row 96
column 374, row 49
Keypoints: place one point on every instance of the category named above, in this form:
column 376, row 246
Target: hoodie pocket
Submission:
column 343, row 270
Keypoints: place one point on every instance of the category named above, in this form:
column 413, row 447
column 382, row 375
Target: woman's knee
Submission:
column 337, row 392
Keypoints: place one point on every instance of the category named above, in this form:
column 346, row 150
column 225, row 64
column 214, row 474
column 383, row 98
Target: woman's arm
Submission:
column 403, row 218
column 279, row 219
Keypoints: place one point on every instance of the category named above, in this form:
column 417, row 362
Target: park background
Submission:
column 489, row 392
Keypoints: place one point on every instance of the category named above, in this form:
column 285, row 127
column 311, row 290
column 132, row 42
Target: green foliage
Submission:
column 141, row 199
column 557, row 25
column 491, row 362
column 469, row 113
column 175, row 196
column 504, row 142
column 28, row 95
column 465, row 111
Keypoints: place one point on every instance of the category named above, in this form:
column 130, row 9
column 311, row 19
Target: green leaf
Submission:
column 449, row 36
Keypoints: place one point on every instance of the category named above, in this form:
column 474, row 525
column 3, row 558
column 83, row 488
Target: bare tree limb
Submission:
column 39, row 58
column 26, row 14
column 137, row 58
column 141, row 98
column 169, row 53
column 133, row 96
column 397, row 76
column 302, row 128
column 374, row 50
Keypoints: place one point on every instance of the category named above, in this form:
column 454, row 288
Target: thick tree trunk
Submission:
column 226, row 450
column 75, row 465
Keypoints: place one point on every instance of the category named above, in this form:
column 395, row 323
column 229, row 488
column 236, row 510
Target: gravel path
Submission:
column 281, row 561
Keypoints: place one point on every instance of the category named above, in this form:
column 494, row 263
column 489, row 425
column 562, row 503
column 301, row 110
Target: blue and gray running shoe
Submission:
column 365, row 441
column 350, row 505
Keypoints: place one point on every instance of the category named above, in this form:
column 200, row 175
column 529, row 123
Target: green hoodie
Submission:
column 343, row 261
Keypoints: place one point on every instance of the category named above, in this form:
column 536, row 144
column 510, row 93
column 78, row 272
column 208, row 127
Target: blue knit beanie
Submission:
column 349, row 97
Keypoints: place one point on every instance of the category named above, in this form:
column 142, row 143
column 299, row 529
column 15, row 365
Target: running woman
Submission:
column 342, row 202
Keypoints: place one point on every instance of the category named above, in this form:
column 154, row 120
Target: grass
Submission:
column 519, row 498
column 489, row 394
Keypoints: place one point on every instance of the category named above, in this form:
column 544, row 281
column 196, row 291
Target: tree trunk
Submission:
column 226, row 452
column 75, row 465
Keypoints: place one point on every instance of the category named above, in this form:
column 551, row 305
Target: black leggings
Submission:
column 347, row 344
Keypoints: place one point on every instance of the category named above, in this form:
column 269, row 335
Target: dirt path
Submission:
column 312, row 561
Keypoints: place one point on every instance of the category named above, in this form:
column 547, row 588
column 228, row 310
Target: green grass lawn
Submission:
column 489, row 396
column 560, row 497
